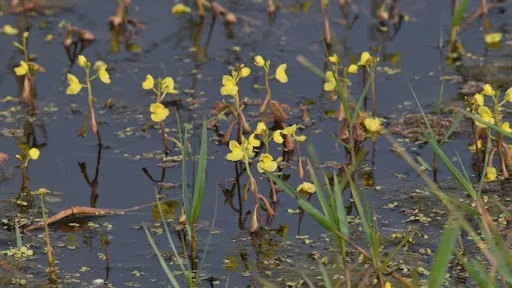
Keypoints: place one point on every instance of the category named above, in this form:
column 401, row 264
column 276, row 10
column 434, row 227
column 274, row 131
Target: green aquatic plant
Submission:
column 50, row 252
column 74, row 87
column 280, row 75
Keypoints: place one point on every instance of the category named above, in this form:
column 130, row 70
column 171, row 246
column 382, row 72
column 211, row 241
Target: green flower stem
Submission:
column 90, row 100
column 269, row 92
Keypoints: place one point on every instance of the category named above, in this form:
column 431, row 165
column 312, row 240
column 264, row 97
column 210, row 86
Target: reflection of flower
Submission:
column 490, row 174
column 306, row 187
column 148, row 83
column 486, row 116
column 331, row 81
column 180, row 9
column 22, row 69
column 228, row 86
column 372, row 124
column 74, row 85
column 158, row 112
column 33, row 154
column 281, row 73
column 9, row 30
column 493, row 38
column 259, row 61
column 266, row 163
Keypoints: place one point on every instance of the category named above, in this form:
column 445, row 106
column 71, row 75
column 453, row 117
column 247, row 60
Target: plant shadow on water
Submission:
column 256, row 232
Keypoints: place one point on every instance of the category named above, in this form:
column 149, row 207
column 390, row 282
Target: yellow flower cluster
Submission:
column 166, row 84
column 290, row 130
column 229, row 82
column 280, row 71
column 74, row 85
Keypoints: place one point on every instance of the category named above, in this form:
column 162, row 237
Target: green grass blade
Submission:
column 487, row 124
column 458, row 16
column 161, row 259
column 199, row 184
column 325, row 222
column 444, row 252
column 477, row 272
column 341, row 213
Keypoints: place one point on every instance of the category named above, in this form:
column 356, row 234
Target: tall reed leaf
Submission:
column 444, row 252
column 459, row 13
column 199, row 184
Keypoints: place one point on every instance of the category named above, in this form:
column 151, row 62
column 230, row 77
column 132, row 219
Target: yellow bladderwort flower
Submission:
column 261, row 128
column 281, row 73
column 74, row 85
column 331, row 81
column 486, row 115
column 493, row 38
column 266, row 163
column 180, row 9
column 149, row 83
column 22, row 69
column 387, row 285
column 245, row 71
column 490, row 174
column 228, row 86
column 158, row 112
column 33, row 154
column 259, row 61
column 253, row 141
column 82, row 61
column 101, row 67
column 352, row 69
column 9, row 30
column 372, row 124
column 239, row 151
column 479, row 98
column 508, row 95
column 334, row 58
column 506, row 126
column 366, row 59
column 168, row 85
column 290, row 130
column 306, row 187
column 278, row 137
column 487, row 90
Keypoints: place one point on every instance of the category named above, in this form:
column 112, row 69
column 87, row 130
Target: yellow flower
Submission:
column 331, row 81
column 300, row 138
column 486, row 115
column 281, row 73
column 493, row 38
column 259, row 61
column 245, row 71
column 487, row 90
column 352, row 69
column 228, row 86
column 290, row 130
column 490, row 174
column 82, row 61
column 253, row 141
column 506, row 126
column 508, row 95
column 372, row 124
column 180, row 9
column 239, row 152
column 33, row 154
column 387, row 285
column 149, row 83
column 266, row 163
column 158, row 112
column 261, row 128
column 479, row 98
column 306, row 187
column 74, row 85
column 278, row 137
column 334, row 58
column 366, row 59
column 102, row 73
column 9, row 30
column 168, row 85
column 22, row 69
